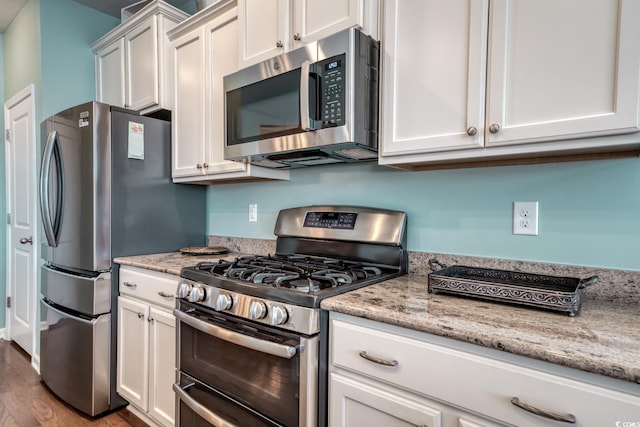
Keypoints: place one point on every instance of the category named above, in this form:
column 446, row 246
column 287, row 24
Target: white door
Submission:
column 434, row 59
column 562, row 70
column 21, row 210
column 162, row 366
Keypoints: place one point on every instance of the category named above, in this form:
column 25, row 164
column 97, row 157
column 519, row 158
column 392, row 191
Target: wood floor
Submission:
column 26, row 402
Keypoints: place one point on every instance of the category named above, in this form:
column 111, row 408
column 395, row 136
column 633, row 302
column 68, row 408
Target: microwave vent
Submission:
column 357, row 154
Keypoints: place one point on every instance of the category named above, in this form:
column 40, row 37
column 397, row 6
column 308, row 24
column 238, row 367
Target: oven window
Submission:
column 267, row 383
column 266, row 109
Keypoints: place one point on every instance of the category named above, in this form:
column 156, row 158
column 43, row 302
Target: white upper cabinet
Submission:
column 132, row 60
column 271, row 27
column 489, row 79
column 203, row 50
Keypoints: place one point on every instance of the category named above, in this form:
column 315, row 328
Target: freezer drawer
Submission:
column 86, row 294
column 74, row 361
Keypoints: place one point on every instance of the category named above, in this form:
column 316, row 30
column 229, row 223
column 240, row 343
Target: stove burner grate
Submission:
column 300, row 273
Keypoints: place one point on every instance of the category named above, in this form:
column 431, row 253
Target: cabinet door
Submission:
column 133, row 351
column 434, row 56
column 142, row 65
column 222, row 59
column 110, row 74
column 265, row 26
column 162, row 366
column 562, row 70
column 356, row 404
column 316, row 19
column 189, row 97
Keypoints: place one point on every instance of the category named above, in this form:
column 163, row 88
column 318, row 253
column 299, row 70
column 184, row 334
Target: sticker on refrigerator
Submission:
column 84, row 119
column 136, row 141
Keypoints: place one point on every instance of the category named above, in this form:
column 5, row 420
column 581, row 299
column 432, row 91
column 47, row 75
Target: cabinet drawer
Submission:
column 154, row 287
column 473, row 382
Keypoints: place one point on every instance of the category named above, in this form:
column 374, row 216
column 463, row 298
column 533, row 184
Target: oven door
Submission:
column 243, row 373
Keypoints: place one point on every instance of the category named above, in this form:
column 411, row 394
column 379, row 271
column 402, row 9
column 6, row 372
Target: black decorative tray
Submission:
column 513, row 287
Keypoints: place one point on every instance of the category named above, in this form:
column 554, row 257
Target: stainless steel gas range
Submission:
column 252, row 340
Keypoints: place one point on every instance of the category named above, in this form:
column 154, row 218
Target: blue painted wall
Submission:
column 589, row 211
column 68, row 72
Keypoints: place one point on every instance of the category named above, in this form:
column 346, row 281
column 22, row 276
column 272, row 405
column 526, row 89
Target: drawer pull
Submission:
column 165, row 295
column 130, row 285
column 378, row 360
column 568, row 418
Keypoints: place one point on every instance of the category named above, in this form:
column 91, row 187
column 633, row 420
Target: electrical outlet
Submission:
column 253, row 212
column 525, row 218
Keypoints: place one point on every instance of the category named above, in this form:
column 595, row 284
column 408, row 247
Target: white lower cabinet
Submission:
column 381, row 374
column 146, row 344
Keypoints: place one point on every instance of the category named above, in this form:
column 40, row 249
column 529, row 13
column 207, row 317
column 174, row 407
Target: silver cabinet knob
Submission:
column 279, row 44
column 472, row 130
column 140, row 315
column 224, row 302
column 257, row 310
column 26, row 240
column 199, row 166
column 205, row 165
column 279, row 315
column 197, row 294
column 494, row 128
column 297, row 37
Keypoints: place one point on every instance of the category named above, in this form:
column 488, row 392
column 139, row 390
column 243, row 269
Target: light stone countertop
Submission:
column 171, row 262
column 604, row 338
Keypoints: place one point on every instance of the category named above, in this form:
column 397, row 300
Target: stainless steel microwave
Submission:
column 314, row 105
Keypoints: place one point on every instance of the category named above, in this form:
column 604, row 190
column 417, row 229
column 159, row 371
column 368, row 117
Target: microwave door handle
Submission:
column 45, row 208
column 268, row 347
column 305, row 123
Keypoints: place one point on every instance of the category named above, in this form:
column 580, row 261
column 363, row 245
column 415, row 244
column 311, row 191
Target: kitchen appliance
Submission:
column 105, row 190
column 312, row 106
column 252, row 340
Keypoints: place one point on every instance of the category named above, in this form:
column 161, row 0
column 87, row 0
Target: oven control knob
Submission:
column 257, row 310
column 183, row 290
column 224, row 302
column 279, row 315
column 197, row 294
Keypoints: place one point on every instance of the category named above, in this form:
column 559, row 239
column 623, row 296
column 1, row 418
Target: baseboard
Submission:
column 35, row 362
column 2, row 333
column 142, row 415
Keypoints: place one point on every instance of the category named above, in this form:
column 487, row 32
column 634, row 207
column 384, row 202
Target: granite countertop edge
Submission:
column 604, row 338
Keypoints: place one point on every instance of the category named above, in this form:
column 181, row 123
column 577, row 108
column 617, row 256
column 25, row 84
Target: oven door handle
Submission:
column 199, row 409
column 279, row 350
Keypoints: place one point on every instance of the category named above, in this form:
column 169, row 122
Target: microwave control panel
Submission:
column 333, row 72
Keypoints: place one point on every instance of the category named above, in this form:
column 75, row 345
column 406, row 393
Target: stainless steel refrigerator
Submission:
column 105, row 190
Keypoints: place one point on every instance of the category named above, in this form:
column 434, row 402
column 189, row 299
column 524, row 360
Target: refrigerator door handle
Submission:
column 64, row 314
column 51, row 151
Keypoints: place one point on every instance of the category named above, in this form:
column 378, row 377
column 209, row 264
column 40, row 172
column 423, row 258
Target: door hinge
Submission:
column 7, row 134
column 9, row 218
column 8, row 302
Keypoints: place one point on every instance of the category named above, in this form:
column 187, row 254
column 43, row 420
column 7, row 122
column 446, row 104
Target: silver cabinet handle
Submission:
column 165, row 295
column 297, row 37
column 378, row 360
column 199, row 409
column 26, row 240
column 568, row 418
column 268, row 347
column 494, row 128
column 472, row 130
column 130, row 285
column 279, row 44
